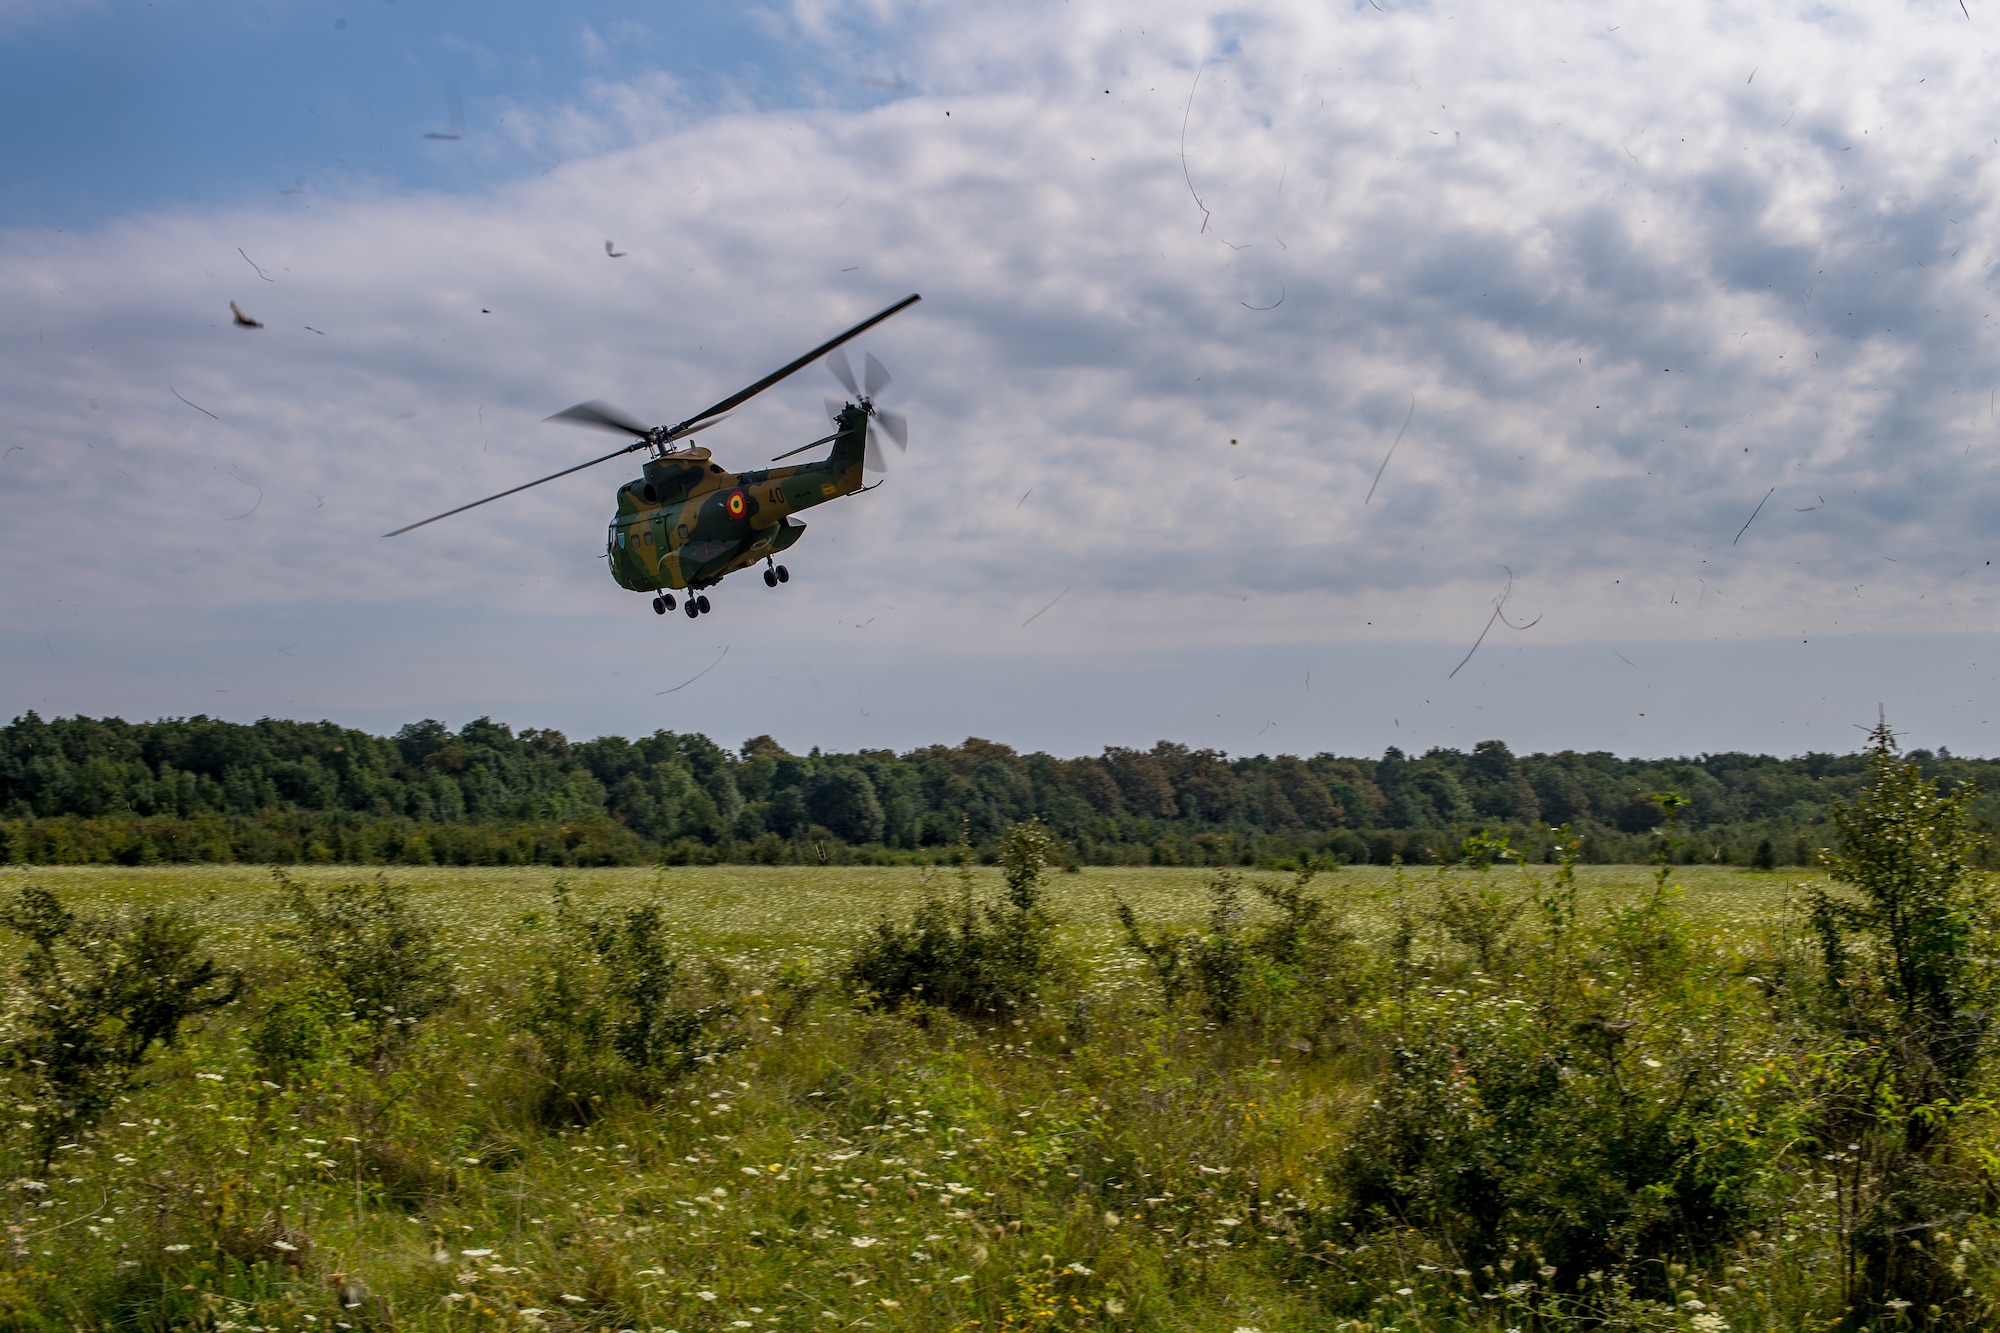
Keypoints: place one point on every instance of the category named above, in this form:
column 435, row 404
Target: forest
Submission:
column 102, row 790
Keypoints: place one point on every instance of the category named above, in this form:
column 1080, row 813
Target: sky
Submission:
column 1287, row 379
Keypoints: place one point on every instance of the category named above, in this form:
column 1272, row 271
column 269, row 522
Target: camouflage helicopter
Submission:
column 686, row 522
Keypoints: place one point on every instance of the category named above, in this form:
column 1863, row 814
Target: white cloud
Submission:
column 1631, row 288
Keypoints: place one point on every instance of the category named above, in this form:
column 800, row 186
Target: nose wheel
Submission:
column 697, row 606
column 662, row 605
column 775, row 575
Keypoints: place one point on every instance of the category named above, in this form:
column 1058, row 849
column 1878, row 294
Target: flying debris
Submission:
column 244, row 321
column 615, row 253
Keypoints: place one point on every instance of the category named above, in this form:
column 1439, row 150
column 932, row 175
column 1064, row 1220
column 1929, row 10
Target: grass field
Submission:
column 763, row 908
column 1100, row 1160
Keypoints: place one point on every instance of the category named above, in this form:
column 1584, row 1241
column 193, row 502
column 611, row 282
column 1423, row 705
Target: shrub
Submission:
column 611, row 1008
column 371, row 942
column 94, row 996
column 1300, row 968
column 968, row 956
column 300, row 1026
column 1908, row 992
column 1584, row 1109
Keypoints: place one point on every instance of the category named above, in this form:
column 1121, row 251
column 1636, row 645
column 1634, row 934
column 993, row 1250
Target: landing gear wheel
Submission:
column 692, row 609
column 770, row 579
column 659, row 606
column 669, row 600
column 702, row 602
column 784, row 575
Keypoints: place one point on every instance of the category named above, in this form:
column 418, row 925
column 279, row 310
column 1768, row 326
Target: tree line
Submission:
column 201, row 789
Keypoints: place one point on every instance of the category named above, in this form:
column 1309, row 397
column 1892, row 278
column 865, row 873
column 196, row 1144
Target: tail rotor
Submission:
column 893, row 426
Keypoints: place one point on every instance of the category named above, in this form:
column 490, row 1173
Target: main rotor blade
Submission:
column 639, row 444
column 745, row 395
column 897, row 425
column 836, row 363
column 603, row 416
column 875, row 378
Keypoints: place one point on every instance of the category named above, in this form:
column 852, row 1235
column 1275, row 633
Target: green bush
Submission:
column 300, row 1025
column 1905, row 960
column 371, row 942
column 610, row 1008
column 1587, row 1096
column 971, row 957
column 94, row 996
column 1302, row 969
column 1595, row 1139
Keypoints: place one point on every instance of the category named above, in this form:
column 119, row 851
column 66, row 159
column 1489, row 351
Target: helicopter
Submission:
column 687, row 522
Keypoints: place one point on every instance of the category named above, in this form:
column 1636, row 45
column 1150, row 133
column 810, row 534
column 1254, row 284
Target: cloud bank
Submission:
column 1690, row 318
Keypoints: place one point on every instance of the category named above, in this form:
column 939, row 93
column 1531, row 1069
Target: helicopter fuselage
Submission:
column 687, row 521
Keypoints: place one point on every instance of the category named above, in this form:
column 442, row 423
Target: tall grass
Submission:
column 1460, row 1099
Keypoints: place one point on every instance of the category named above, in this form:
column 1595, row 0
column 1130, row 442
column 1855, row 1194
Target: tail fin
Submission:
column 850, row 450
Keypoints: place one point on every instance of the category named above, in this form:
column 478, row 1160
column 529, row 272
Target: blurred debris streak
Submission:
column 1500, row 614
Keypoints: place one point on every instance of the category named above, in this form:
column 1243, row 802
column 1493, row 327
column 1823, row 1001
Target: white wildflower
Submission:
column 475, row 1254
column 705, row 1296
column 1078, row 1269
column 862, row 1242
column 286, row 1246
column 573, row 1300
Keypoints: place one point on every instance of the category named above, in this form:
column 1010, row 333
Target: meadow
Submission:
column 1487, row 1098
